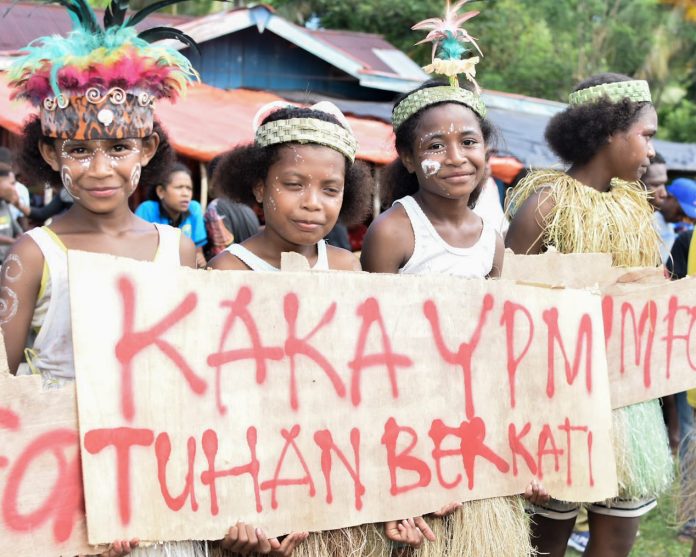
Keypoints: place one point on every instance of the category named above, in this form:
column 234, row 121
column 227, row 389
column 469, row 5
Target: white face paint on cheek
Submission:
column 135, row 177
column 430, row 167
column 66, row 178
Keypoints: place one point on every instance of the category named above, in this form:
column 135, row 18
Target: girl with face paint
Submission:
column 304, row 187
column 96, row 136
column 442, row 136
column 305, row 179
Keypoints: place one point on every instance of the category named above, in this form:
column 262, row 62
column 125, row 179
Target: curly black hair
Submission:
column 397, row 182
column 578, row 133
column 239, row 170
column 36, row 170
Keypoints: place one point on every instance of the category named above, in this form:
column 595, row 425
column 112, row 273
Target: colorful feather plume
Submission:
column 449, row 38
column 115, row 55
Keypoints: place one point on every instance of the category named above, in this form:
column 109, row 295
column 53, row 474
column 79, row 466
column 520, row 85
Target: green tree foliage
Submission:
column 543, row 47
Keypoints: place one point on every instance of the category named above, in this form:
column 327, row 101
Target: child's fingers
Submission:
column 425, row 529
column 447, row 509
column 290, row 542
column 392, row 530
column 263, row 543
column 230, row 537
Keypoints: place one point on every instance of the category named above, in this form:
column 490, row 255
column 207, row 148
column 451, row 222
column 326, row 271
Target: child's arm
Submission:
column 6, row 240
column 187, row 252
column 20, row 280
column 497, row 269
column 342, row 260
column 526, row 232
column 225, row 261
column 389, row 242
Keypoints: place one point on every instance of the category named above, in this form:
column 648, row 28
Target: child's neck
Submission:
column 443, row 209
column 112, row 223
column 174, row 216
column 594, row 174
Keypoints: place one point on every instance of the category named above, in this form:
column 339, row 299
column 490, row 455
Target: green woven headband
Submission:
column 308, row 130
column 635, row 90
column 433, row 95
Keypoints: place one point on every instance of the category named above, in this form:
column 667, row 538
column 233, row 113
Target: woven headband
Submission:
column 308, row 130
column 635, row 90
column 433, row 95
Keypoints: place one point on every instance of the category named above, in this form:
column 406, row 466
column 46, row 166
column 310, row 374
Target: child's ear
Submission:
column 408, row 162
column 258, row 192
column 159, row 190
column 50, row 155
column 150, row 145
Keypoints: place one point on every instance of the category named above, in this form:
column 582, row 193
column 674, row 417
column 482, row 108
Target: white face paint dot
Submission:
column 430, row 167
column 105, row 116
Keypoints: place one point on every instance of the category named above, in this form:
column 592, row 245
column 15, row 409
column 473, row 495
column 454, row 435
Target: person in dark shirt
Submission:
column 677, row 263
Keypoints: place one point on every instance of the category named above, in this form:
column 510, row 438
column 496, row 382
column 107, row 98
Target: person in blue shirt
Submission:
column 171, row 203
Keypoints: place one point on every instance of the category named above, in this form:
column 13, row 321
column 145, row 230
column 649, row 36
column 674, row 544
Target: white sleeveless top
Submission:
column 255, row 263
column 432, row 255
column 52, row 352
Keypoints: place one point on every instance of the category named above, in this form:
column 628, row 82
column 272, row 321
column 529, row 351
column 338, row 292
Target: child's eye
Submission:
column 435, row 146
column 293, row 185
column 121, row 150
column 469, row 142
column 332, row 190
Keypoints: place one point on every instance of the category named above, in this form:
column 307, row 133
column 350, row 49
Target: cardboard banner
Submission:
column 648, row 320
column 322, row 400
column 41, row 500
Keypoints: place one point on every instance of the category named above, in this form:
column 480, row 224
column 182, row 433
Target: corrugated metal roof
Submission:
column 23, row 22
column 360, row 46
column 367, row 57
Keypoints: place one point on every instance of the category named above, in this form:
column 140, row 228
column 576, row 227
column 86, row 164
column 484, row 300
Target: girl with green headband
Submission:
column 301, row 171
column 598, row 205
column 442, row 138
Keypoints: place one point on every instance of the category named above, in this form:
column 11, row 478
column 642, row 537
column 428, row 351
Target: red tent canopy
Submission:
column 208, row 121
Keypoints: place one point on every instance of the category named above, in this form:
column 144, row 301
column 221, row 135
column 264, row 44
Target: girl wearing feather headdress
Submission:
column 598, row 205
column 442, row 136
column 95, row 135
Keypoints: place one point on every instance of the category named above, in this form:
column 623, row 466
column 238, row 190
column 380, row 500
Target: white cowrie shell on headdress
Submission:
column 267, row 109
column 330, row 108
column 105, row 116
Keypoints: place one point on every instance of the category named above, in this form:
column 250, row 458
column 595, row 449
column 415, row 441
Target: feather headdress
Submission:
column 449, row 40
column 101, row 67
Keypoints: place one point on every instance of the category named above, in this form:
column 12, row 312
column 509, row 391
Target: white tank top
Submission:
column 432, row 255
column 255, row 263
column 52, row 352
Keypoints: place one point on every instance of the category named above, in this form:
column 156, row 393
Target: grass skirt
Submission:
column 175, row 549
column 367, row 540
column 486, row 528
column 643, row 461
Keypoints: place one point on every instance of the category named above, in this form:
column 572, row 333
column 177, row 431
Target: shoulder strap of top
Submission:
column 251, row 260
column 414, row 212
column 322, row 263
column 169, row 241
column 53, row 249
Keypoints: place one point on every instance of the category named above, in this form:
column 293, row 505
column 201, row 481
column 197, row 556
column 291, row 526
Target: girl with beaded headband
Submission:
column 598, row 205
column 95, row 135
column 442, row 136
column 301, row 170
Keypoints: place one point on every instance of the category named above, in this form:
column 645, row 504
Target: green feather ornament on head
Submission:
column 448, row 38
